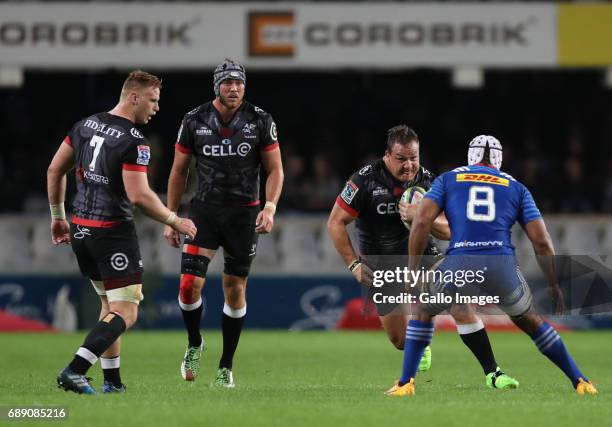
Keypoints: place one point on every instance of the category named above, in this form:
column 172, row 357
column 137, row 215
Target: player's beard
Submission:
column 225, row 101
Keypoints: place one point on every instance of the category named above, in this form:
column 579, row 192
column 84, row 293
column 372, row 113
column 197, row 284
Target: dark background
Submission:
column 555, row 126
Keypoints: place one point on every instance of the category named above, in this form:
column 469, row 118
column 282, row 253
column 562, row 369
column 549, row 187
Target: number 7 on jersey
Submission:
column 96, row 141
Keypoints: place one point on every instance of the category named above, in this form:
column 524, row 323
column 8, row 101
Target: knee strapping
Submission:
column 194, row 265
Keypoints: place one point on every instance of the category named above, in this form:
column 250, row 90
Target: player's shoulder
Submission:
column 365, row 173
column 425, row 177
column 200, row 109
column 255, row 110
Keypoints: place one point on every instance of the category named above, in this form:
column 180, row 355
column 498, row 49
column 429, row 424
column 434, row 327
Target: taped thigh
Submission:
column 519, row 301
column 131, row 293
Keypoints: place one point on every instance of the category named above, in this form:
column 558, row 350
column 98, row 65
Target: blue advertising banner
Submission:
column 274, row 302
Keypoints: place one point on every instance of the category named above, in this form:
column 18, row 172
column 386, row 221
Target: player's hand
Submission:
column 60, row 231
column 264, row 221
column 407, row 212
column 185, row 226
column 364, row 274
column 556, row 294
column 172, row 236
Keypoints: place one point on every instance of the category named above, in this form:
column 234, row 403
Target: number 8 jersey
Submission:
column 482, row 204
column 104, row 145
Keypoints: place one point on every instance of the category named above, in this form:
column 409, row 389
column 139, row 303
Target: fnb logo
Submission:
column 482, row 177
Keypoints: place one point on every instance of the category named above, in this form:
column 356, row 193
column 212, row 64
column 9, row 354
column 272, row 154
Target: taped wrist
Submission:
column 57, row 211
column 271, row 206
column 171, row 220
column 354, row 265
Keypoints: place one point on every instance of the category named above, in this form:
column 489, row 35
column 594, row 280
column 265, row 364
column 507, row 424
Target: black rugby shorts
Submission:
column 109, row 254
column 233, row 228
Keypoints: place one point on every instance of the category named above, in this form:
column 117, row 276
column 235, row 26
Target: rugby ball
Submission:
column 412, row 196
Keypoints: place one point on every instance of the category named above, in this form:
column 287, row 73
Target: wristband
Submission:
column 171, row 219
column 354, row 265
column 57, row 211
column 271, row 205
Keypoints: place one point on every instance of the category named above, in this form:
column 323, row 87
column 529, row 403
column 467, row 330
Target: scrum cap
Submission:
column 485, row 149
column 228, row 69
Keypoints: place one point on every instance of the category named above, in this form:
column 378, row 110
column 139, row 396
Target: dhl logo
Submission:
column 482, row 177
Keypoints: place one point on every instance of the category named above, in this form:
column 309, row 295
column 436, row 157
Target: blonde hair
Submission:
column 139, row 79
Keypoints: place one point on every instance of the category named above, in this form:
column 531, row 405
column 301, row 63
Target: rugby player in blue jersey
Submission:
column 482, row 204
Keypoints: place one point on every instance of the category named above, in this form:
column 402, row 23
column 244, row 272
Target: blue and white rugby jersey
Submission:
column 482, row 204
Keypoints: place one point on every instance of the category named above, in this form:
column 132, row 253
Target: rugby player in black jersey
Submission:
column 371, row 197
column 110, row 157
column 231, row 139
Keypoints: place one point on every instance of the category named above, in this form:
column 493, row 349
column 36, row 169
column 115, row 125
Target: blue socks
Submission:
column 551, row 345
column 418, row 336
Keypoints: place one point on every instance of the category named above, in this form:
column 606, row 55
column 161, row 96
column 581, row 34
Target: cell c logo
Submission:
column 243, row 149
column 273, row 133
column 119, row 261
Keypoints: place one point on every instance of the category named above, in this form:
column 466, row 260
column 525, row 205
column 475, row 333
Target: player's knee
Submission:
column 237, row 267
column 127, row 314
column 464, row 316
column 194, row 265
column 398, row 341
column 190, row 289
column 104, row 307
column 529, row 322
column 235, row 293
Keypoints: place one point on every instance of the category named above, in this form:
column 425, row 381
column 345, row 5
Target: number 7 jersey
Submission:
column 104, row 145
column 482, row 204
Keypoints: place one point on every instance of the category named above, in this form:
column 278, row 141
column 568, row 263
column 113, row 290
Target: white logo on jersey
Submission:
column 95, row 177
column 103, row 128
column 387, row 208
column 380, row 190
column 365, row 170
column 249, row 127
column 226, row 150
column 135, row 133
column 258, row 110
column 119, row 261
column 204, row 131
column 244, row 148
column 273, row 133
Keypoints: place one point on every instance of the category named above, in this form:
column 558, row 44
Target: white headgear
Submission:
column 485, row 148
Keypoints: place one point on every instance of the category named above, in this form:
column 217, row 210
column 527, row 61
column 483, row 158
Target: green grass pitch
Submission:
column 312, row 379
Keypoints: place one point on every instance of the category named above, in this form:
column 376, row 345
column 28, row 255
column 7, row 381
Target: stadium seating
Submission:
column 298, row 245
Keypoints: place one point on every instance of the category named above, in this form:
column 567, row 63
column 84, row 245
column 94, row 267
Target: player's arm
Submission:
column 273, row 164
column 62, row 162
column 545, row 251
column 337, row 222
column 138, row 191
column 421, row 227
column 177, row 182
column 439, row 229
